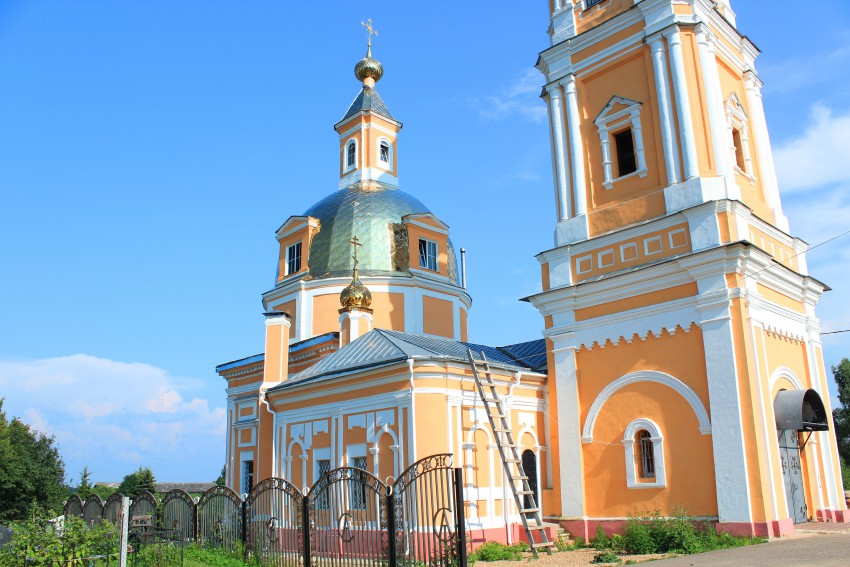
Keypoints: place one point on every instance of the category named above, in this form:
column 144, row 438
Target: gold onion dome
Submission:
column 369, row 68
column 355, row 294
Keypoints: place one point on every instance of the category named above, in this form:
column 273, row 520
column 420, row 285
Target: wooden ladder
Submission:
column 508, row 450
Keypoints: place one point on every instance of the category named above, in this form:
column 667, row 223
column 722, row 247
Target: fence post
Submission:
column 460, row 517
column 122, row 537
column 305, row 529
column 391, row 527
column 245, row 528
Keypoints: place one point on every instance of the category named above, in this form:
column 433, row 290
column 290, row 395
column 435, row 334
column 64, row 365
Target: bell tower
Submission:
column 368, row 132
column 674, row 281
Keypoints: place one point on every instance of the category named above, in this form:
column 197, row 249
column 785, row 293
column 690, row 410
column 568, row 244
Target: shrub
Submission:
column 495, row 551
column 606, row 557
column 601, row 542
column 637, row 538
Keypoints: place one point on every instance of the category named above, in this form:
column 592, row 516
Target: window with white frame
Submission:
column 590, row 3
column 384, row 152
column 357, row 490
column 621, row 135
column 293, row 258
column 428, row 254
column 247, row 476
column 350, row 155
column 644, row 449
column 323, row 467
column 739, row 134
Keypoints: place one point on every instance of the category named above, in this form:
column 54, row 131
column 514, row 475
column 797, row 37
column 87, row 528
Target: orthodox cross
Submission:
column 355, row 242
column 370, row 31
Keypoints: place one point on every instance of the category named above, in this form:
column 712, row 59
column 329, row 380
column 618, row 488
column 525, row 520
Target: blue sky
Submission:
column 149, row 150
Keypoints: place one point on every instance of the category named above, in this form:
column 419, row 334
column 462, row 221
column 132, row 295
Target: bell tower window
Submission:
column 619, row 125
column 428, row 254
column 293, row 258
column 385, row 151
column 626, row 162
column 350, row 155
column 737, row 123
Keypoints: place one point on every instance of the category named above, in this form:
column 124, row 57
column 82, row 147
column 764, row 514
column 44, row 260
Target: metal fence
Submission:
column 348, row 517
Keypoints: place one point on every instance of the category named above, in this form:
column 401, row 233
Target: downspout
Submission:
column 264, row 400
column 505, row 495
column 463, row 268
column 412, row 428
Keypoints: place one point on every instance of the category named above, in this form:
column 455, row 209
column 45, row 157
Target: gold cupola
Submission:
column 369, row 70
column 355, row 295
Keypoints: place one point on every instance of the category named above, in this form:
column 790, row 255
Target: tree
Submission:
column 137, row 482
column 220, row 480
column 841, row 416
column 85, row 489
column 31, row 471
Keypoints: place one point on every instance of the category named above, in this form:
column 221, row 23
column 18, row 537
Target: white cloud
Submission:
column 116, row 416
column 818, row 156
column 519, row 98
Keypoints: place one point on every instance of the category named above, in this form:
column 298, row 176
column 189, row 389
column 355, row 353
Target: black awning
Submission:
column 800, row 410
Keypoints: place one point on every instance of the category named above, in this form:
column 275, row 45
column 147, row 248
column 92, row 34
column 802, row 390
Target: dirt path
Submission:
column 577, row 558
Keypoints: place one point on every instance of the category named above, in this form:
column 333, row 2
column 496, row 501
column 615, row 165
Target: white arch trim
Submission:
column 787, row 373
column 645, row 376
column 660, row 480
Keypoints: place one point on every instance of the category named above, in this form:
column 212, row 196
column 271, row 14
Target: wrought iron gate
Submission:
column 349, row 517
column 429, row 514
column 274, row 523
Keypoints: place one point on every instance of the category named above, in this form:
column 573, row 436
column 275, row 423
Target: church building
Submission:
column 679, row 364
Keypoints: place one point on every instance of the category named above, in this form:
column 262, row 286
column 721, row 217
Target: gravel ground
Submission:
column 577, row 558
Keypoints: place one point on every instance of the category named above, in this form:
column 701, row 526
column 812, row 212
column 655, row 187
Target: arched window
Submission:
column 646, row 453
column 385, row 152
column 644, row 449
column 351, row 154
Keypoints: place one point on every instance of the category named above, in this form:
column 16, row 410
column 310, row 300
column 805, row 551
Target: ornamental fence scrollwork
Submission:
column 348, row 517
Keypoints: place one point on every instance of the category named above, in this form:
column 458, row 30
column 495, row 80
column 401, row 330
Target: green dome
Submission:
column 373, row 215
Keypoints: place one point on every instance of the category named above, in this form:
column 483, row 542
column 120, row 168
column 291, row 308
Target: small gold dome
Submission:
column 355, row 294
column 369, row 68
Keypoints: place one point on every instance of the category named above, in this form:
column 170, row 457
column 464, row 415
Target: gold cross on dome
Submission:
column 370, row 31
column 355, row 242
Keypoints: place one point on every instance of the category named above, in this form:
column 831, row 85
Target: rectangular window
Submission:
column 357, row 489
column 590, row 3
column 626, row 162
column 323, row 466
column 428, row 255
column 647, row 455
column 739, row 149
column 247, row 476
column 293, row 258
column 385, row 152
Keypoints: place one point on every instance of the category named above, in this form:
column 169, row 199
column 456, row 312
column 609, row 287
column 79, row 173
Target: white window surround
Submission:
column 293, row 258
column 736, row 119
column 381, row 163
column 632, row 474
column 345, row 165
column 609, row 123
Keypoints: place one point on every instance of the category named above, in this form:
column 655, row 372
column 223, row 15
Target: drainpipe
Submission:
column 412, row 428
column 463, row 268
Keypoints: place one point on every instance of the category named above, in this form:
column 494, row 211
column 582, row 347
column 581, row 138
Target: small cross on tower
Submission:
column 370, row 31
column 355, row 242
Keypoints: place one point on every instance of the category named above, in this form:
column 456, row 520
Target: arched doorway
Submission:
column 529, row 466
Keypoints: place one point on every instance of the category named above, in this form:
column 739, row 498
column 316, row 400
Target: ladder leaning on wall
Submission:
column 509, row 452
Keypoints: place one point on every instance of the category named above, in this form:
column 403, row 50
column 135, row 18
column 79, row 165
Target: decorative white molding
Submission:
column 608, row 122
column 788, row 374
column 660, row 480
column 576, row 146
column 737, row 119
column 665, row 110
column 646, row 376
column 683, row 105
column 556, row 120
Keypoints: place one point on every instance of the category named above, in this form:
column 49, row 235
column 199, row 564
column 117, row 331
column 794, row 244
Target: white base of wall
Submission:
column 697, row 191
column 571, row 231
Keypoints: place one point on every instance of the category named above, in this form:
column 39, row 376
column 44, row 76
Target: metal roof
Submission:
column 381, row 347
column 368, row 99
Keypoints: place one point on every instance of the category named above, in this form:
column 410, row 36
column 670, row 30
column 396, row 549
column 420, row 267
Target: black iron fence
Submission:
column 348, row 517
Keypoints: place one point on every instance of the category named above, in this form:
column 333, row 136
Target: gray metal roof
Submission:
column 381, row 347
column 368, row 99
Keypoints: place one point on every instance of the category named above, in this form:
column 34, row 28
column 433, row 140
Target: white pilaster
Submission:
column 730, row 458
column 576, row 160
column 714, row 100
column 683, row 105
column 764, row 153
column 556, row 118
column 569, row 432
column 665, row 111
